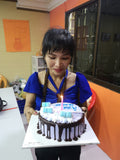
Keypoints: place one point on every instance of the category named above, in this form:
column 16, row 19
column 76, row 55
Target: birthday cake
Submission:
column 66, row 123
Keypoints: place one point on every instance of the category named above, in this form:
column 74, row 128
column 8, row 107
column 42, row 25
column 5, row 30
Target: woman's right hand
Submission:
column 28, row 111
column 29, row 106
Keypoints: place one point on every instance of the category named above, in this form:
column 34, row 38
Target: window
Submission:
column 96, row 29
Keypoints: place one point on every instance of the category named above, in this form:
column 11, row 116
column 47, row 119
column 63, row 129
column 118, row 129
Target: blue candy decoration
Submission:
column 65, row 114
column 68, row 114
column 47, row 110
column 44, row 109
column 46, row 104
column 62, row 114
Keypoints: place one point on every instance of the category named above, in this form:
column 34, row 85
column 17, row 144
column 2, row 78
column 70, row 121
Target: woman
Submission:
column 57, row 49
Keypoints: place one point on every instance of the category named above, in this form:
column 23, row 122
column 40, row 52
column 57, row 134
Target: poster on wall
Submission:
column 17, row 35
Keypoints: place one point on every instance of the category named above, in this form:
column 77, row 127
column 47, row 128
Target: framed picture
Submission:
column 105, row 36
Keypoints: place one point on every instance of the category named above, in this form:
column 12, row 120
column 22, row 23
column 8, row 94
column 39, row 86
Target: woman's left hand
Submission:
column 84, row 109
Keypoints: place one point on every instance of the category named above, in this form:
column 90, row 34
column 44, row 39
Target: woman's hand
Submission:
column 84, row 109
column 29, row 106
column 28, row 111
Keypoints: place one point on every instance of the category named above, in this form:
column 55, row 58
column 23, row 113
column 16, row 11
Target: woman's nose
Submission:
column 58, row 62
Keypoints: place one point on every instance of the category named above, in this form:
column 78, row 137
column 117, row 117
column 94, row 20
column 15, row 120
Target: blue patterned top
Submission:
column 70, row 95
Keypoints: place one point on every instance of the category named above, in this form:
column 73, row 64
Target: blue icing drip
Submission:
column 67, row 106
column 74, row 108
column 58, row 104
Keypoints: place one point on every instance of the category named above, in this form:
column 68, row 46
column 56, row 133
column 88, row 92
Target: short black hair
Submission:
column 56, row 39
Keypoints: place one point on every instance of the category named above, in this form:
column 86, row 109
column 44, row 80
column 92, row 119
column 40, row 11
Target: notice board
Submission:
column 17, row 35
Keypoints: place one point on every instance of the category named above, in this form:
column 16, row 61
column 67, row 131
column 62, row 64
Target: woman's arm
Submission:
column 29, row 106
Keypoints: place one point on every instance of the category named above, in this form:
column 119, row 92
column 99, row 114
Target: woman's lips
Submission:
column 58, row 70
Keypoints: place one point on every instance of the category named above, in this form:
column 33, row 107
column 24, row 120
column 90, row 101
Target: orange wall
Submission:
column 57, row 15
column 106, row 119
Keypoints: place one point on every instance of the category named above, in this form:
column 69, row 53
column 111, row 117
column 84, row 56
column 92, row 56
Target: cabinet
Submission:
column 38, row 64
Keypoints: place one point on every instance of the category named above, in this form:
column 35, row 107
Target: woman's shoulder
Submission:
column 80, row 76
column 71, row 79
column 81, row 80
column 72, row 76
column 33, row 85
column 41, row 76
column 33, row 76
column 76, row 76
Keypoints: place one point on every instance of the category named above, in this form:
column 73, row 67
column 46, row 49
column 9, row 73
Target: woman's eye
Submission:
column 51, row 57
column 65, row 58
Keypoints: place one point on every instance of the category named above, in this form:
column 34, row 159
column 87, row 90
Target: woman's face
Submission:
column 57, row 63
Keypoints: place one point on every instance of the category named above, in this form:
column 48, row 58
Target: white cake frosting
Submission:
column 56, row 115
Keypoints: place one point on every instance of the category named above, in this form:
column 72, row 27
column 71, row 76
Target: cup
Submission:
column 3, row 103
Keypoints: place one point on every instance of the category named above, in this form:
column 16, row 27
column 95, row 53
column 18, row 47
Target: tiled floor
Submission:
column 88, row 152
column 93, row 152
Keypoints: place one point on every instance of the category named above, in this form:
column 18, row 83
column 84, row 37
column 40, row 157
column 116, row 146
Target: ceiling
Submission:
column 41, row 5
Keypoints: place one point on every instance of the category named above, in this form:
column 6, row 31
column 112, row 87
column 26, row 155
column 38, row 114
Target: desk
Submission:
column 12, row 131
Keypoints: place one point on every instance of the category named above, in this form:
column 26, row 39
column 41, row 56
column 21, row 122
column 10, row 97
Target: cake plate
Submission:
column 34, row 140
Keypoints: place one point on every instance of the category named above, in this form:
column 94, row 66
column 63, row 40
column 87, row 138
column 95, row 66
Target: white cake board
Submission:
column 35, row 140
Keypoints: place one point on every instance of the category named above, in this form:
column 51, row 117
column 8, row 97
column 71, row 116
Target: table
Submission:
column 12, row 131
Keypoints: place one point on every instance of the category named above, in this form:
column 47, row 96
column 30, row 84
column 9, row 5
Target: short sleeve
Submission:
column 84, row 88
column 33, row 85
